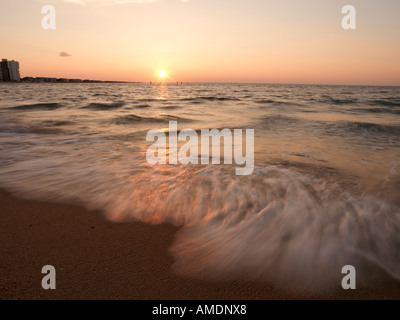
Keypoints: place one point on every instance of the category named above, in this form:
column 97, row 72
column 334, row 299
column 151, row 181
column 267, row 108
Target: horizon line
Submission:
column 220, row 82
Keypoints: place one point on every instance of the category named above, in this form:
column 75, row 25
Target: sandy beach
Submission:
column 98, row 259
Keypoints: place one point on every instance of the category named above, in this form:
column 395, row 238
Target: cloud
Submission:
column 111, row 2
column 64, row 54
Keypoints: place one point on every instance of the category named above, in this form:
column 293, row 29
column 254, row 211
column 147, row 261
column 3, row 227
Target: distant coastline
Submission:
column 65, row 80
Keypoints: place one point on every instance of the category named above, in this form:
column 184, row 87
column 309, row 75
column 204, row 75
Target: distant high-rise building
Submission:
column 13, row 66
column 9, row 70
column 5, row 72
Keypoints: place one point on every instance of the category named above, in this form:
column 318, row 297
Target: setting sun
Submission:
column 161, row 73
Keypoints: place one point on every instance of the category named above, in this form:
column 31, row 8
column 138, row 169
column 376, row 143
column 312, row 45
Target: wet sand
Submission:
column 98, row 259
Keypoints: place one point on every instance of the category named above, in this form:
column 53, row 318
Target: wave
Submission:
column 45, row 127
column 104, row 106
column 142, row 106
column 57, row 123
column 275, row 122
column 38, row 106
column 220, row 98
column 132, row 118
column 338, row 101
column 276, row 225
column 171, row 107
column 146, row 100
column 382, row 110
column 394, row 102
column 265, row 101
column 363, row 127
column 386, row 102
column 276, row 102
column 210, row 98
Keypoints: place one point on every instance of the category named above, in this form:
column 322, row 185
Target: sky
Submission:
column 268, row 41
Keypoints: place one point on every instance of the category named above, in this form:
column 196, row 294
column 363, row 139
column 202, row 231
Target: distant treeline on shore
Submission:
column 65, row 80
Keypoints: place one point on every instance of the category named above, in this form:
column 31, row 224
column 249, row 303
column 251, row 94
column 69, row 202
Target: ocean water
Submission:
column 325, row 191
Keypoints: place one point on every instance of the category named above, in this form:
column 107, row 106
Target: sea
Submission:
column 324, row 193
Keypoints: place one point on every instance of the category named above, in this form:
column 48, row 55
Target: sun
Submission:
column 161, row 73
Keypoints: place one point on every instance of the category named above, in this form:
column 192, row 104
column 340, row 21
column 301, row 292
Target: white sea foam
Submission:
column 275, row 225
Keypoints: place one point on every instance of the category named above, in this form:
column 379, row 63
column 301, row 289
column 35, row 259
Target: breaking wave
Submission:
column 275, row 225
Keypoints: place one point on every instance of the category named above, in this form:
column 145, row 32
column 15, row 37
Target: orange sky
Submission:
column 285, row 41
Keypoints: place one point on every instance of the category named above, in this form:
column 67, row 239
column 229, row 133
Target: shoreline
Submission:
column 98, row 259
